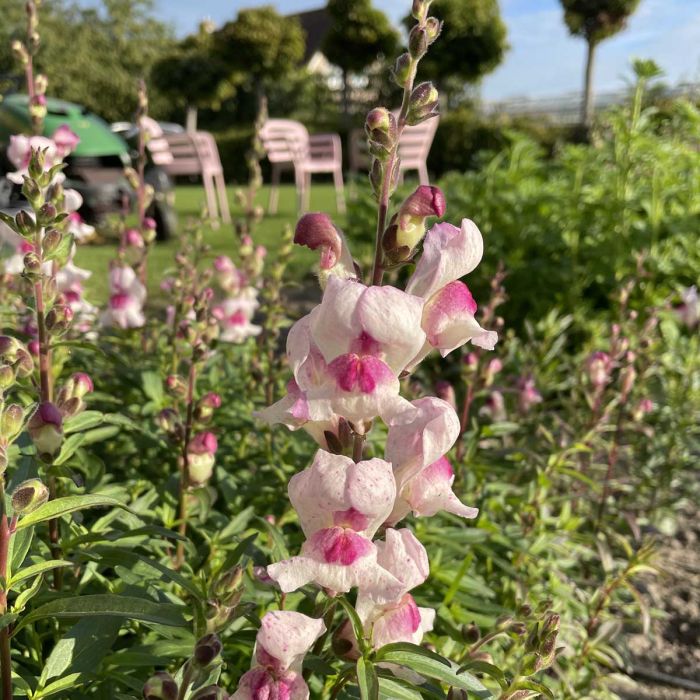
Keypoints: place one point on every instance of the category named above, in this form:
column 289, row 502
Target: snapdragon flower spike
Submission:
column 448, row 319
column 340, row 506
column 316, row 231
column 282, row 642
column 125, row 307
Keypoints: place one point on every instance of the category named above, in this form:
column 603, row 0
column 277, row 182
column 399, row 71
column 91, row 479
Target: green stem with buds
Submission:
column 5, row 658
column 390, row 164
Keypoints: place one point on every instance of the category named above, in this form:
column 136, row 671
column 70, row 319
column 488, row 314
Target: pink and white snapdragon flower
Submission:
column 284, row 638
column 127, row 296
column 55, row 149
column 235, row 316
column 416, row 447
column 341, row 505
column 448, row 318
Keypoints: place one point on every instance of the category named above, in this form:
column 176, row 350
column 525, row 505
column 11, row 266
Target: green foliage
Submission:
column 261, row 44
column 597, row 20
column 194, row 74
column 91, row 56
column 358, row 35
column 473, row 41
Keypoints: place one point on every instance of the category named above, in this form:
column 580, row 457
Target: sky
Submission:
column 543, row 59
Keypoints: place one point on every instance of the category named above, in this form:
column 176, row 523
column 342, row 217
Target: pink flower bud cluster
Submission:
column 347, row 358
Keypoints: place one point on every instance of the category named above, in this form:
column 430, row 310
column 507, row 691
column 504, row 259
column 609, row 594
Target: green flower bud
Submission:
column 418, row 42
column 11, row 421
column 424, row 104
column 31, row 190
column 160, row 686
column 402, row 69
column 7, row 377
column 207, row 650
column 28, row 496
column 24, row 223
column 46, row 214
column 45, row 427
column 52, row 239
column 58, row 320
column 433, row 28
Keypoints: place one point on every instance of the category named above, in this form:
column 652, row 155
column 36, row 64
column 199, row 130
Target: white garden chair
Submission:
column 288, row 145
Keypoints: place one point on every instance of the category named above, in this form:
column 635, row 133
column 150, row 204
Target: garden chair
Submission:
column 193, row 154
column 288, row 145
column 414, row 148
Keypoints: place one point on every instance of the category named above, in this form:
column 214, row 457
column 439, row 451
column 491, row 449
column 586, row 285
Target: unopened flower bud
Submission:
column 408, row 228
column 7, row 376
column 28, row 496
column 445, row 391
column 20, row 52
column 52, row 241
column 418, row 9
column 402, row 69
column 45, row 427
column 32, row 264
column 160, row 686
column 424, row 104
column 418, row 42
column 382, row 132
column 629, row 376
column 176, row 385
column 46, row 214
column 316, row 231
column 206, row 406
column 471, row 634
column 227, row 587
column 433, row 28
column 492, row 369
column 59, row 318
column 11, row 421
column 201, row 451
column 457, row 694
column 24, row 223
column 149, row 223
column 168, row 420
column 599, row 366
column 207, row 650
column 133, row 238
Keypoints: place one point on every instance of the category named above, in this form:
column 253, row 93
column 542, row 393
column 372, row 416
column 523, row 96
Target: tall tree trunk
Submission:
column 346, row 99
column 587, row 104
column 191, row 119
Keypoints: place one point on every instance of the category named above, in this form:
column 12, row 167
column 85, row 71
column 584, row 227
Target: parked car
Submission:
column 95, row 168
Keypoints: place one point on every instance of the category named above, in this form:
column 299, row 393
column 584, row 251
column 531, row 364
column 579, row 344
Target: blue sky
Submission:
column 544, row 59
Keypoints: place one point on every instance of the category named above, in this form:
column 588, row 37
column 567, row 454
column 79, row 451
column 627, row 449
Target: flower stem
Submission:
column 5, row 658
column 389, row 166
column 185, row 468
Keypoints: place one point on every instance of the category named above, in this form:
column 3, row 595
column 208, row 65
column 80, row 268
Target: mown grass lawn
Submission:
column 188, row 201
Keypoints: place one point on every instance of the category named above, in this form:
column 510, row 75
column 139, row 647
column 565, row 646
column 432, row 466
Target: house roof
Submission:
column 315, row 24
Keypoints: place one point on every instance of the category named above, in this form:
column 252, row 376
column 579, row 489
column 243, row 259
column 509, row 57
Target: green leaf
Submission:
column 393, row 689
column 106, row 604
column 83, row 421
column 357, row 627
column 69, row 681
column 367, row 680
column 82, row 648
column 27, row 594
column 36, row 569
column 487, row 669
column 20, row 543
column 63, row 506
column 432, row 665
column 69, row 448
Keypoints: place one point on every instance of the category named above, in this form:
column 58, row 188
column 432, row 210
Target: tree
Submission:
column 261, row 46
column 193, row 75
column 90, row 56
column 358, row 35
column 473, row 43
column 595, row 21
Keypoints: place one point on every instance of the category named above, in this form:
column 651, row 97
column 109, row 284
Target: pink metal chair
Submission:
column 194, row 154
column 414, row 148
column 288, row 145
